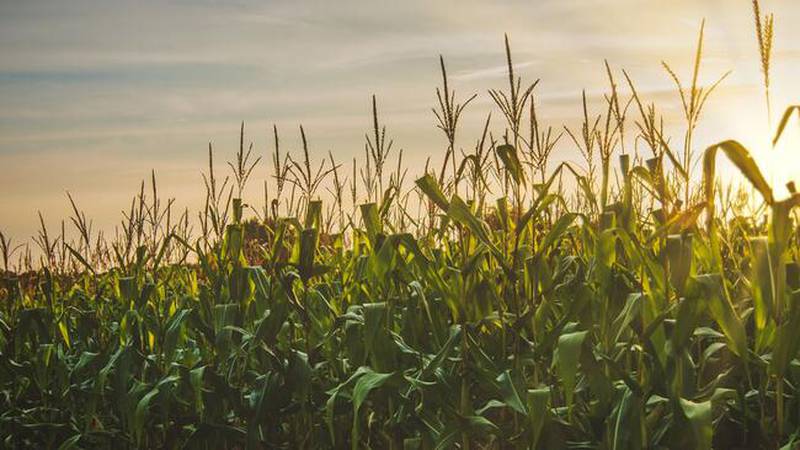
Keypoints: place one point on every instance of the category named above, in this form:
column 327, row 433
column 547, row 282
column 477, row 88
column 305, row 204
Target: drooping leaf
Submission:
column 428, row 185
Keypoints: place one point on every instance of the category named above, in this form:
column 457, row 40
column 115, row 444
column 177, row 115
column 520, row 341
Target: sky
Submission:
column 94, row 95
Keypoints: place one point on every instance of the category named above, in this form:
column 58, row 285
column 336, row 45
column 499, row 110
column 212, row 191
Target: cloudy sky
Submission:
column 95, row 94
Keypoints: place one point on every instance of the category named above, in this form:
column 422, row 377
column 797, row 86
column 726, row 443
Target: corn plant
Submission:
column 497, row 302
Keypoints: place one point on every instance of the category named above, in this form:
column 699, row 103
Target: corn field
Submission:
column 489, row 301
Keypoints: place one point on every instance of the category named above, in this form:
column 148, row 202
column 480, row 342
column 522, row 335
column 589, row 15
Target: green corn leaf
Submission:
column 430, row 187
column 508, row 155
column 679, row 255
column 627, row 424
column 569, row 351
column 62, row 328
column 71, row 443
column 509, row 393
column 234, row 241
column 762, row 274
column 365, row 380
column 372, row 221
column 196, row 377
column 556, row 232
column 80, row 259
column 710, row 288
column 333, row 395
column 365, row 384
column 141, row 413
column 225, row 315
column 628, row 313
column 313, row 215
column 699, row 416
column 174, row 331
column 787, row 341
column 785, row 121
column 538, row 402
column 460, row 212
column 305, row 252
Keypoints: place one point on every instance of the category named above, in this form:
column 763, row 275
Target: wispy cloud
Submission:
column 490, row 72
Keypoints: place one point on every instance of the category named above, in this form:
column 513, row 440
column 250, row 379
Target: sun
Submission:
column 780, row 164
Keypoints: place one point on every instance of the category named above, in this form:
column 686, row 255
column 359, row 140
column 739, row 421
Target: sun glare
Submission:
column 780, row 164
